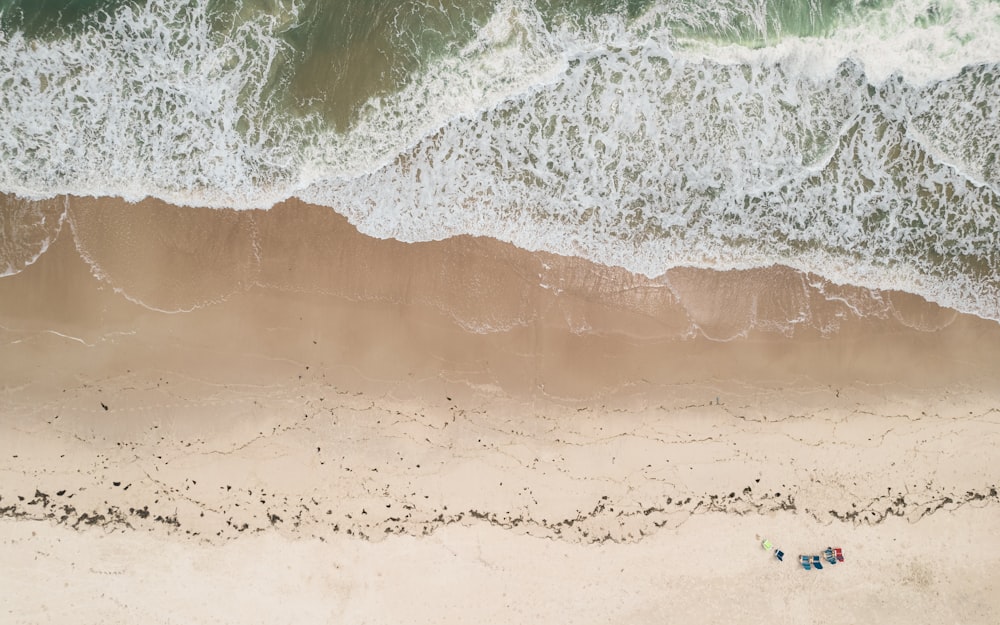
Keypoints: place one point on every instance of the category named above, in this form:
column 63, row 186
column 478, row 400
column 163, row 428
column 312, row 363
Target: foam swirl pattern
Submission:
column 853, row 140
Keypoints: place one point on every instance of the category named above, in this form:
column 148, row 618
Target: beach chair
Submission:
column 804, row 560
column 817, row 564
column 838, row 553
column 766, row 544
column 828, row 555
column 779, row 554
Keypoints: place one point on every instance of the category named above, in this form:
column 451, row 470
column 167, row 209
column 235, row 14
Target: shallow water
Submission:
column 855, row 141
column 177, row 260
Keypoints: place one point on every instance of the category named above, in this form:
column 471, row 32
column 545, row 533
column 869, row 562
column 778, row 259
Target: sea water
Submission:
column 856, row 140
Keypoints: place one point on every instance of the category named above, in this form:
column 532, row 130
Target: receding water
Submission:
column 853, row 140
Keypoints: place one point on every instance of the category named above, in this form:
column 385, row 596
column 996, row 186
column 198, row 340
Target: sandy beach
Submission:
column 267, row 417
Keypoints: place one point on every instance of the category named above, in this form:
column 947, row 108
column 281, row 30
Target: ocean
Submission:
column 853, row 140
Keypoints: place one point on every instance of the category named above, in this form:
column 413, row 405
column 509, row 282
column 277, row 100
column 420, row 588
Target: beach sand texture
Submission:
column 499, row 311
column 302, row 424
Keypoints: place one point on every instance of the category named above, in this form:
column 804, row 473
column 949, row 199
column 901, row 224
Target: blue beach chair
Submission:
column 779, row 554
column 804, row 560
column 828, row 555
column 816, row 562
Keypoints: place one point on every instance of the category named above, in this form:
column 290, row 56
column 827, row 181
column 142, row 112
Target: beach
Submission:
column 326, row 427
column 499, row 311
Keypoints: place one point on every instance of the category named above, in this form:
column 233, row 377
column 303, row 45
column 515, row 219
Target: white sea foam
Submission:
column 149, row 101
column 863, row 156
column 648, row 157
column 511, row 55
column 27, row 229
column 921, row 41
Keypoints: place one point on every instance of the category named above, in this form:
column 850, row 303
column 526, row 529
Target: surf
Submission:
column 847, row 140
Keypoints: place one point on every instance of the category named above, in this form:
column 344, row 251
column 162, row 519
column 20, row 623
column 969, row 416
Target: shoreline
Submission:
column 327, row 402
column 255, row 244
column 297, row 274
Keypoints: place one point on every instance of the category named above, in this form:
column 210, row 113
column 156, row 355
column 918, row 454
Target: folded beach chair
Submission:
column 804, row 560
column 779, row 554
column 828, row 555
column 838, row 553
column 816, row 563
column 766, row 544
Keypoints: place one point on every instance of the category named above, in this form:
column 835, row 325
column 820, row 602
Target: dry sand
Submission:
column 247, row 417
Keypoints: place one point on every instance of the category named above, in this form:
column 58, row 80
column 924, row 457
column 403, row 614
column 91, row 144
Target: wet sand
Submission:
column 375, row 431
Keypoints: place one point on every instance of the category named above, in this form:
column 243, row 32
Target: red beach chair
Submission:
column 838, row 553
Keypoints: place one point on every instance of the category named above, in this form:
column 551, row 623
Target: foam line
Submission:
column 856, row 145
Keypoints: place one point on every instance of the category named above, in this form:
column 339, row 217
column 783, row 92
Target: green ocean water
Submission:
column 342, row 53
column 855, row 139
